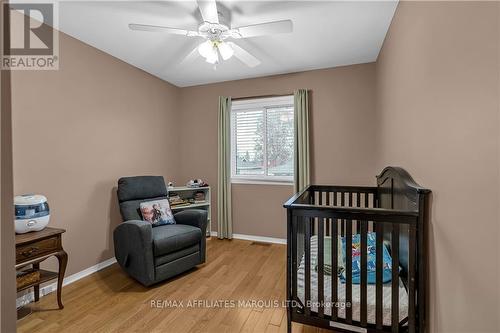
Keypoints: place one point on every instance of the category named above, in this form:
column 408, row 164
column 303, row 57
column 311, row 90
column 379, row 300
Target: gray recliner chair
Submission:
column 149, row 254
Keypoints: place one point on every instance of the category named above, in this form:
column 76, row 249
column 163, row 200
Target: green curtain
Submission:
column 301, row 156
column 224, row 220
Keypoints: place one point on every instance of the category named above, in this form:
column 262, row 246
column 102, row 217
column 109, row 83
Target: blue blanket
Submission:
column 371, row 259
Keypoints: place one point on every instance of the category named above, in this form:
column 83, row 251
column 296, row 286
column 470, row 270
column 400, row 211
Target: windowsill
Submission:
column 260, row 182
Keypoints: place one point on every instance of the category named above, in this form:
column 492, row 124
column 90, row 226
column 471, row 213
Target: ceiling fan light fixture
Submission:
column 210, row 51
column 206, row 49
column 226, row 51
column 213, row 57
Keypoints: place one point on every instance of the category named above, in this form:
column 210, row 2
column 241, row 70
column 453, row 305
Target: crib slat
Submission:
column 335, row 194
column 395, row 277
column 350, row 199
column 335, row 266
column 364, row 273
column 379, row 227
column 307, row 248
column 411, row 278
column 348, row 284
column 289, row 260
column 342, row 222
column 367, row 205
column 328, row 221
column 294, row 236
column 321, row 271
column 316, row 196
column 358, row 204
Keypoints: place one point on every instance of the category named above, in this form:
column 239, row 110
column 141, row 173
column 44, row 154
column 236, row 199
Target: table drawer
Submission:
column 36, row 249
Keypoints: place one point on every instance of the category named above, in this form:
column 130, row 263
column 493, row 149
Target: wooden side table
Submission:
column 34, row 247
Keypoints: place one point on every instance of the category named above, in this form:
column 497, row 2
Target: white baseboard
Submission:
column 255, row 238
column 30, row 297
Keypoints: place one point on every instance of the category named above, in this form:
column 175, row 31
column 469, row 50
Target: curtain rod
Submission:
column 260, row 96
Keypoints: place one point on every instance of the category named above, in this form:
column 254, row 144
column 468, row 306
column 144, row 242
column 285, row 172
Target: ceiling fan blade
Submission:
column 244, row 56
column 208, row 10
column 262, row 29
column 157, row 28
column 191, row 56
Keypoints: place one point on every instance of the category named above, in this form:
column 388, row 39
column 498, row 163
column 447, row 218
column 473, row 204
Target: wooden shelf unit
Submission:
column 188, row 192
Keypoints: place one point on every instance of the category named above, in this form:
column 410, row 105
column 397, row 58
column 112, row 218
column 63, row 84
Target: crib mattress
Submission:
column 356, row 294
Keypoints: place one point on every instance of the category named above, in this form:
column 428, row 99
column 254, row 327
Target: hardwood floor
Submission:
column 236, row 271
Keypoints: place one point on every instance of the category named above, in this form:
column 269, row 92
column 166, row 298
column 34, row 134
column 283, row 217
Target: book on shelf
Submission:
column 183, row 204
column 177, row 200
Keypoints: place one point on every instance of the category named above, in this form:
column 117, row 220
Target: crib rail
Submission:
column 320, row 212
column 350, row 196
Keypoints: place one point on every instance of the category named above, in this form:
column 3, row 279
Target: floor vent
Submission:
column 260, row 243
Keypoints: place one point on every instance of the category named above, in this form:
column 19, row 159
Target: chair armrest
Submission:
column 194, row 217
column 133, row 243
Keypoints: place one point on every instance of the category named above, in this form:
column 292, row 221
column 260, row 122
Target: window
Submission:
column 262, row 146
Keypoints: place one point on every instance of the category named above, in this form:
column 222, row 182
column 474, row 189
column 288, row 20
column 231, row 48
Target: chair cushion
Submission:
column 173, row 237
column 141, row 187
column 160, row 260
column 130, row 209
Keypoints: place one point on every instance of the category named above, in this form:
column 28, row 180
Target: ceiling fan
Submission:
column 218, row 33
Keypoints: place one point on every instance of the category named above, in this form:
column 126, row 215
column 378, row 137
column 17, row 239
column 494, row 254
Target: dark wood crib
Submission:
column 393, row 215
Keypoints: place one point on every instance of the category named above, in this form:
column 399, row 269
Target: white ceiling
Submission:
column 326, row 34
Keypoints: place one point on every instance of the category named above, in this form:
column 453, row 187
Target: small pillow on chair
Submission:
column 157, row 212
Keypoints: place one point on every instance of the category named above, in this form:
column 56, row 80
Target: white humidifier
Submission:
column 32, row 213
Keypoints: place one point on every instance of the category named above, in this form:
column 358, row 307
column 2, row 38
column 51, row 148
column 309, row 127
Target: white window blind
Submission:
column 262, row 140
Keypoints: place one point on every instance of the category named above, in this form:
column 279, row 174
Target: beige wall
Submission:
column 437, row 93
column 342, row 138
column 78, row 129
